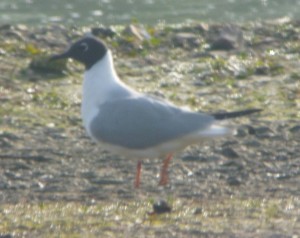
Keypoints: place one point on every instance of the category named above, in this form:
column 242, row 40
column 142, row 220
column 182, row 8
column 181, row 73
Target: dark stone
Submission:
column 279, row 236
column 233, row 181
column 6, row 27
column 263, row 132
column 9, row 136
column 244, row 130
column 103, row 32
column 15, row 34
column 222, row 44
column 161, row 207
column 193, row 158
column 262, row 70
column 231, row 165
column 198, row 211
column 227, row 37
column 6, row 236
column 251, row 130
column 106, row 182
column 295, row 129
column 185, row 39
column 253, row 143
column 229, row 153
column 281, row 158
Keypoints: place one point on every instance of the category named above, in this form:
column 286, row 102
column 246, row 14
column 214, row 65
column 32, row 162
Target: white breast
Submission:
column 100, row 85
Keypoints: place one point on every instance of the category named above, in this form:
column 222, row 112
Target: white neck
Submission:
column 101, row 77
column 101, row 83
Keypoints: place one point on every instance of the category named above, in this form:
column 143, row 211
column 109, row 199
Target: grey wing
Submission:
column 139, row 123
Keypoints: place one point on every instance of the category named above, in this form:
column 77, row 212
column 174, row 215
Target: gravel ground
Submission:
column 45, row 154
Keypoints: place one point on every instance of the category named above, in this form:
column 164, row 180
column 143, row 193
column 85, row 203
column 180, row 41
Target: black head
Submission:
column 87, row 50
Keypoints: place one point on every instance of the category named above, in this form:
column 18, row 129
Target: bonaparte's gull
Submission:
column 133, row 124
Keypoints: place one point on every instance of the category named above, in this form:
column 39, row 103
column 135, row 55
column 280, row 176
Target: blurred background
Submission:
column 111, row 12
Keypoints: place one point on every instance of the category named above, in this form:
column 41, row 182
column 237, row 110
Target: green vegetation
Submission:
column 70, row 219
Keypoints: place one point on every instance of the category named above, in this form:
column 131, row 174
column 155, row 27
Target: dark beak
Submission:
column 64, row 55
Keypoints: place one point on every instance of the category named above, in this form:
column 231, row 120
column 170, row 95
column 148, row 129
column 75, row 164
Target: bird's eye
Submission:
column 84, row 46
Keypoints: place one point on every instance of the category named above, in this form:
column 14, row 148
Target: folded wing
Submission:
column 142, row 122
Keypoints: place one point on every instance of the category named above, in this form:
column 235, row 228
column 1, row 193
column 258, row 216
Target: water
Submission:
column 87, row 12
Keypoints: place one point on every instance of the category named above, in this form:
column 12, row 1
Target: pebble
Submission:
column 139, row 32
column 186, row 39
column 107, row 181
column 233, row 181
column 6, row 236
column 229, row 153
column 252, row 143
column 295, row 129
column 226, row 37
column 15, row 34
column 6, row 27
column 7, row 139
column 198, row 211
column 161, row 207
column 193, row 158
column 231, row 165
column 103, row 32
column 262, row 70
column 263, row 132
column 241, row 131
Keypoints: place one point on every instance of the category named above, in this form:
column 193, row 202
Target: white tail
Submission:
column 215, row 131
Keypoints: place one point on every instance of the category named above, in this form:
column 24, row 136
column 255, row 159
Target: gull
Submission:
column 132, row 124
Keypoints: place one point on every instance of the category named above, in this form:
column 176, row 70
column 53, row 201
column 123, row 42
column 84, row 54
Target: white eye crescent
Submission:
column 84, row 46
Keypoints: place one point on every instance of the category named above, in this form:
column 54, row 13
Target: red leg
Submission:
column 164, row 171
column 138, row 174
